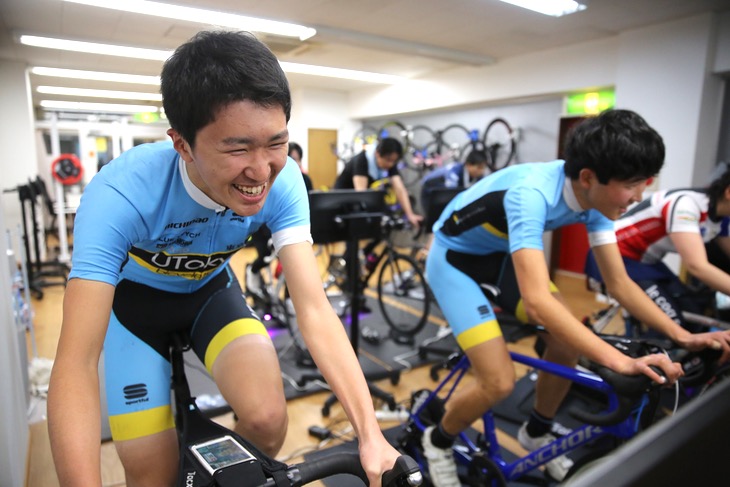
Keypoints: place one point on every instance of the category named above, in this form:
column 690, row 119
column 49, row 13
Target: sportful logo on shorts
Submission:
column 135, row 393
column 483, row 310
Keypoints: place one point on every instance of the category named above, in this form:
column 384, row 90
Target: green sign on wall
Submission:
column 590, row 103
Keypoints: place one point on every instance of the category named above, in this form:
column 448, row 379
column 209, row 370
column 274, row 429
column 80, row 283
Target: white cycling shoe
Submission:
column 557, row 467
column 441, row 466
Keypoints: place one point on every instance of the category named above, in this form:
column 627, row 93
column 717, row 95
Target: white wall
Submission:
column 664, row 73
column 13, row 407
column 558, row 71
column 17, row 140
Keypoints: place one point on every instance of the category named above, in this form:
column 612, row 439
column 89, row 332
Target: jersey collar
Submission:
column 194, row 192
column 569, row 196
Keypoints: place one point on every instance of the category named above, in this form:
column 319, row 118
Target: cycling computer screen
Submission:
column 220, row 452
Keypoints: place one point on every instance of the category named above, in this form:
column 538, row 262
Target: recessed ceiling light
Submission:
column 97, row 107
column 555, row 8
column 96, row 75
column 122, row 95
column 202, row 16
column 159, row 55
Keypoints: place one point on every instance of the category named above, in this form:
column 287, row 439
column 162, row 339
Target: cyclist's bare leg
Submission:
column 257, row 397
column 494, row 379
column 550, row 390
column 150, row 461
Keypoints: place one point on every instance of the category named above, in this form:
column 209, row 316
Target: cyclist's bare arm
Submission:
column 691, row 248
column 360, row 183
column 401, row 194
column 330, row 347
column 622, row 288
column 545, row 309
column 74, row 415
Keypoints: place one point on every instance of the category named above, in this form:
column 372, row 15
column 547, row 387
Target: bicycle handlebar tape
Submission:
column 627, row 390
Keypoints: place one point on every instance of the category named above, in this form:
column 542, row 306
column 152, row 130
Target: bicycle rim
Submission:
column 499, row 143
column 402, row 295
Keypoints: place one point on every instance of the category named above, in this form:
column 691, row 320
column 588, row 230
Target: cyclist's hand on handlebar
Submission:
column 645, row 365
column 717, row 340
column 415, row 220
column 377, row 457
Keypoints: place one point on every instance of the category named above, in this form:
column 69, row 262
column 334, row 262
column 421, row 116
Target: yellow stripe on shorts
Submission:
column 520, row 312
column 129, row 426
column 479, row 334
column 233, row 330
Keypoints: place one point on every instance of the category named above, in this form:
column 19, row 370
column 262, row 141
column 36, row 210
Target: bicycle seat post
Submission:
column 179, row 382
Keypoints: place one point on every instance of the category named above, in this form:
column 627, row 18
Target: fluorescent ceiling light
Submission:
column 95, row 48
column 123, row 95
column 97, row 107
column 201, row 16
column 96, row 75
column 158, row 55
column 556, row 8
column 339, row 73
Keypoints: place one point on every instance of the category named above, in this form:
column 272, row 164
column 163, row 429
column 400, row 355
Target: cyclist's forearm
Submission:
column 560, row 322
column 332, row 351
column 74, row 427
column 714, row 277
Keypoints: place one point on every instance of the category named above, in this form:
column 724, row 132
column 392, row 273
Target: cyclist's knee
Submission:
column 266, row 428
column 150, row 461
column 496, row 387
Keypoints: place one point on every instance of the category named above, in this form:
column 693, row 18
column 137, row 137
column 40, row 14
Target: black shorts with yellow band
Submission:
column 467, row 286
column 136, row 348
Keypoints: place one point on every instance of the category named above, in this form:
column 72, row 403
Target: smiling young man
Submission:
column 492, row 233
column 153, row 237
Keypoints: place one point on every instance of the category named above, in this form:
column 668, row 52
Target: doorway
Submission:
column 321, row 158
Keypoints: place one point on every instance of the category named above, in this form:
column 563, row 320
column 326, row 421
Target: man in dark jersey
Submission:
column 375, row 164
column 152, row 241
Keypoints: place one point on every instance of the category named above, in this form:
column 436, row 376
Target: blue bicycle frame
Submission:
column 463, row 453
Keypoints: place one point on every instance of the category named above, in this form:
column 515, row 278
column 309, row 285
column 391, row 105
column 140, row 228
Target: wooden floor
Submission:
column 303, row 412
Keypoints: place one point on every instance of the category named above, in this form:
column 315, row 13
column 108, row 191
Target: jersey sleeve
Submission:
column 526, row 212
column 360, row 166
column 289, row 219
column 683, row 215
column 106, row 225
column 601, row 230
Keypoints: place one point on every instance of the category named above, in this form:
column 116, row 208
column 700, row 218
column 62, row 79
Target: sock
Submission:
column 538, row 424
column 441, row 439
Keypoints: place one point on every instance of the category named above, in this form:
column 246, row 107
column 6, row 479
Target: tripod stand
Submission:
column 351, row 216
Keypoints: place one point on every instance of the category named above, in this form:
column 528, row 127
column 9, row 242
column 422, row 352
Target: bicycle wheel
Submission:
column 403, row 295
column 499, row 141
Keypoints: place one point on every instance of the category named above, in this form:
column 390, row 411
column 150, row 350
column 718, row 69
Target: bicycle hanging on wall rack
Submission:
column 500, row 142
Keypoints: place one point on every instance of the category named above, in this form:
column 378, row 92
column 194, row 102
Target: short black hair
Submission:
column 214, row 69
column 389, row 145
column 718, row 185
column 294, row 147
column 617, row 144
column 477, row 157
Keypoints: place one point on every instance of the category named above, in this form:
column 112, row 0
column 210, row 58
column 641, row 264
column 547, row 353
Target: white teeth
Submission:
column 250, row 190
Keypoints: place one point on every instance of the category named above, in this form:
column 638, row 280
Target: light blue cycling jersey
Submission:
column 142, row 219
column 512, row 208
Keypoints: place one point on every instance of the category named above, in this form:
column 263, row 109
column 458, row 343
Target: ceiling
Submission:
column 408, row 38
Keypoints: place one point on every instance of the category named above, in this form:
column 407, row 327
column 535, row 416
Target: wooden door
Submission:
column 321, row 157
